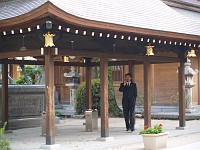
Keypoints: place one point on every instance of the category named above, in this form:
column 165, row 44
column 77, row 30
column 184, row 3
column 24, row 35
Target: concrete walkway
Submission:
column 71, row 135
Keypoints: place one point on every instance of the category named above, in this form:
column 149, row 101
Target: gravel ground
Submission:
column 71, row 135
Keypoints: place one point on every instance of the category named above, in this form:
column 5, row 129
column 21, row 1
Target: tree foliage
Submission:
column 30, row 75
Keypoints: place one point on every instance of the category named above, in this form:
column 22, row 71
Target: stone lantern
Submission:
column 189, row 84
column 72, row 83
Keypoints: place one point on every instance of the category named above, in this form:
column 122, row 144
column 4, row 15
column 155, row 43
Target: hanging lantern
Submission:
column 66, row 59
column 149, row 50
column 191, row 53
column 49, row 39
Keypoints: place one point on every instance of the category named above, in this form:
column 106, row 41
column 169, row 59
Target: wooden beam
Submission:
column 160, row 59
column 147, row 93
column 5, row 94
column 104, row 96
column 88, row 84
column 79, row 64
column 81, row 53
column 32, row 62
column 49, row 94
column 181, row 79
column 13, row 54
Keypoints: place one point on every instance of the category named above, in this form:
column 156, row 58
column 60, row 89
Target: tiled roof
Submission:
column 149, row 14
column 18, row 7
column 196, row 2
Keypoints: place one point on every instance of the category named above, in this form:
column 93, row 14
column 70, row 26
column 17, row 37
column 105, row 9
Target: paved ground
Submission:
column 71, row 135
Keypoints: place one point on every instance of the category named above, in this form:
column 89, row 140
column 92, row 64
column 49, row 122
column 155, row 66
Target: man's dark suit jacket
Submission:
column 129, row 94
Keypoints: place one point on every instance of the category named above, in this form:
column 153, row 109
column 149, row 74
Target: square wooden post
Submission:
column 181, row 81
column 147, row 93
column 198, row 56
column 4, row 94
column 104, row 96
column 131, row 69
column 88, row 84
column 50, row 111
column 130, row 66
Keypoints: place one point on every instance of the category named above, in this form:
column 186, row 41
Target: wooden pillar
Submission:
column 198, row 78
column 88, row 84
column 50, row 111
column 5, row 94
column 147, row 97
column 104, row 96
column 181, row 79
column 131, row 69
column 152, row 92
column 125, row 70
column 130, row 66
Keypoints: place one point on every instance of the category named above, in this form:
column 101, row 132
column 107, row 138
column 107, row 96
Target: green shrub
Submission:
column 4, row 143
column 81, row 98
column 175, row 99
column 140, row 102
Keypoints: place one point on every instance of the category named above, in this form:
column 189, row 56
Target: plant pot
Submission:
column 155, row 141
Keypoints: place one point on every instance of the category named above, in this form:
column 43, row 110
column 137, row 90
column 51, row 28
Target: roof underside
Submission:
column 148, row 14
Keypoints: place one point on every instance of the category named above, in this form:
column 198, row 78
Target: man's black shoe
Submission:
column 132, row 130
column 127, row 129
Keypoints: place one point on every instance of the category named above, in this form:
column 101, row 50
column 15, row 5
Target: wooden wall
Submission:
column 60, row 82
column 164, row 80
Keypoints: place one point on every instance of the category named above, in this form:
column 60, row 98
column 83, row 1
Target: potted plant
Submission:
column 154, row 138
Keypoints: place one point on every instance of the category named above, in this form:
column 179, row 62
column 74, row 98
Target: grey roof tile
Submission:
column 150, row 14
column 18, row 7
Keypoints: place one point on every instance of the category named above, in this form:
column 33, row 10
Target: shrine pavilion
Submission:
column 141, row 35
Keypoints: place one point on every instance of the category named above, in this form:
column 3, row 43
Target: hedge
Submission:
column 114, row 110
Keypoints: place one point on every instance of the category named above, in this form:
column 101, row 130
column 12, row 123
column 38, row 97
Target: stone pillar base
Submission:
column 181, row 128
column 106, row 139
column 50, row 147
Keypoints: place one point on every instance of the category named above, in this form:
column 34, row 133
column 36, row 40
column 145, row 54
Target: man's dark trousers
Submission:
column 129, row 115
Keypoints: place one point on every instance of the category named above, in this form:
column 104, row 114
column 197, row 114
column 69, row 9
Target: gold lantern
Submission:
column 66, row 59
column 149, row 50
column 191, row 53
column 49, row 39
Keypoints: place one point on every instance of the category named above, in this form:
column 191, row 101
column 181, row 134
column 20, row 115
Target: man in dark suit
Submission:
column 129, row 90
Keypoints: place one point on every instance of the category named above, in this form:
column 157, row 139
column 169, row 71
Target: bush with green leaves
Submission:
column 114, row 110
column 4, row 143
column 140, row 102
column 175, row 99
